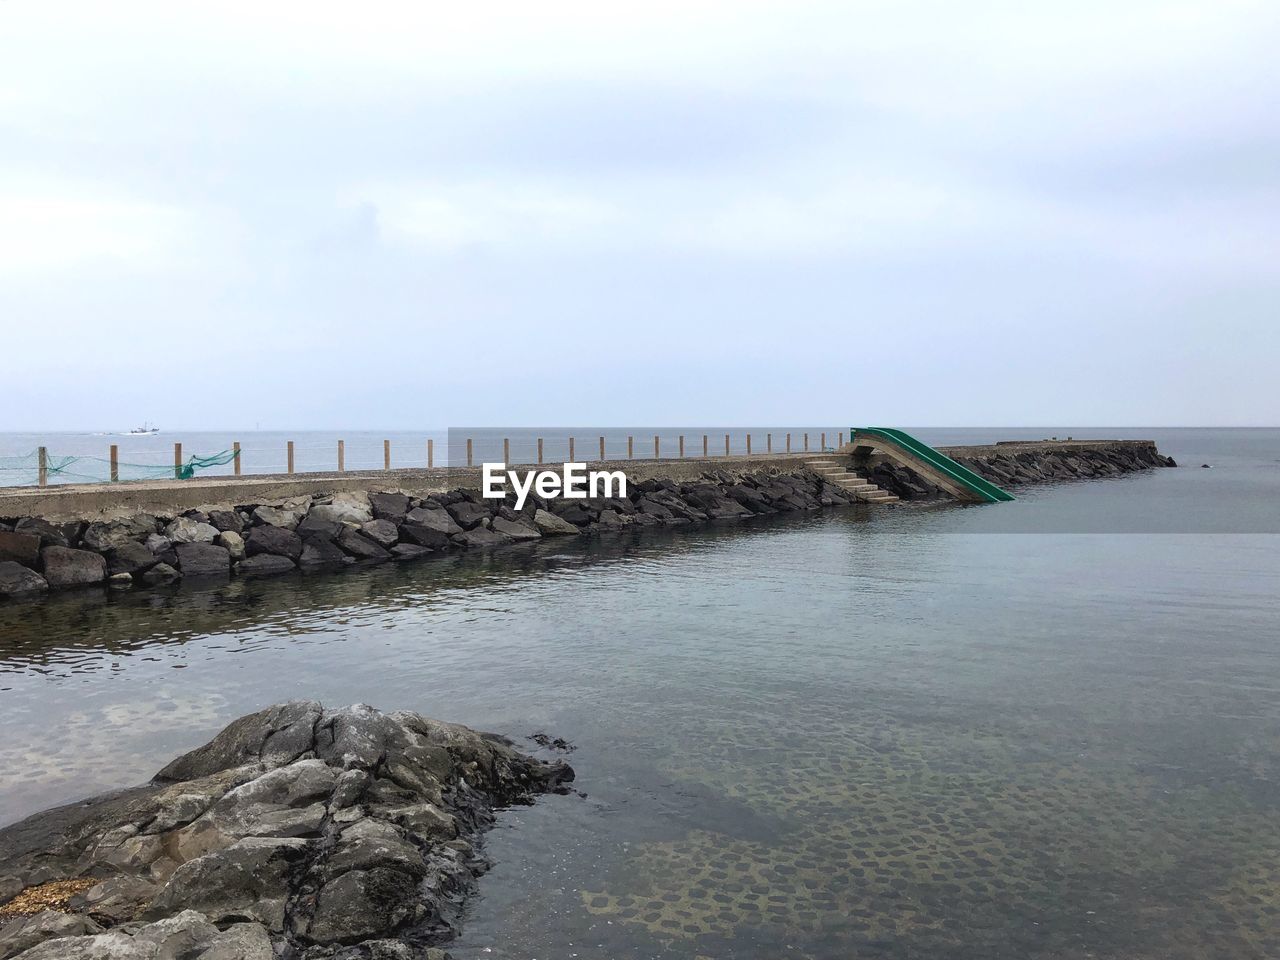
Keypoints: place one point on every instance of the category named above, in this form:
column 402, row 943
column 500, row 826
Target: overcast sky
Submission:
column 422, row 215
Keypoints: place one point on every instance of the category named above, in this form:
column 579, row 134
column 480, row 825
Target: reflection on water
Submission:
column 845, row 735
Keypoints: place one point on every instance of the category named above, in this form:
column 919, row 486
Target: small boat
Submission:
column 146, row 430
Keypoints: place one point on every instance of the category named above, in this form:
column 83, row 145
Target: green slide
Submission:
column 984, row 489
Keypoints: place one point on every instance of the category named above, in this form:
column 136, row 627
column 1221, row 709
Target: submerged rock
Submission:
column 297, row 831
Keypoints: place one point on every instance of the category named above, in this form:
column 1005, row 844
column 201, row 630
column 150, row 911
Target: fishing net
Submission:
column 23, row 470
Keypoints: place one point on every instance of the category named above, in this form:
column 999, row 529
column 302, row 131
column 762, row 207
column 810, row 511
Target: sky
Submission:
column 411, row 216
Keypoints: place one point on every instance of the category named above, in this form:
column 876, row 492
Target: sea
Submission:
column 1040, row 729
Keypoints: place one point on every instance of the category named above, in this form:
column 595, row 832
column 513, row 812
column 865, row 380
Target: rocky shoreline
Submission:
column 355, row 528
column 297, row 833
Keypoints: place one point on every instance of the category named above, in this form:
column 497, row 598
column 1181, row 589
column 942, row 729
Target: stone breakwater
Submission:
column 356, row 528
column 297, row 833
column 353, row 528
column 1014, row 464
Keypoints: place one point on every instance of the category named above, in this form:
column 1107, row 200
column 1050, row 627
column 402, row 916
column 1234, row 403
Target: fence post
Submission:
column 291, row 456
column 657, row 451
column 806, row 443
column 42, row 471
column 235, row 454
column 386, row 454
column 602, row 449
column 177, row 461
column 431, row 453
column 539, row 449
column 571, row 449
column 468, row 451
column 822, row 445
column 682, row 446
column 748, row 444
column 704, row 446
column 342, row 456
column 726, row 444
column 788, row 443
column 768, row 443
column 115, row 463
column 631, row 448
column 506, row 451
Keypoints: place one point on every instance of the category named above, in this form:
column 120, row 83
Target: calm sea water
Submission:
column 897, row 733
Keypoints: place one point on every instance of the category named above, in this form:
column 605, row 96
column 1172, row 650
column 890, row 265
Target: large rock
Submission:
column 467, row 514
column 345, row 508
column 381, row 532
column 287, row 518
column 110, row 534
column 186, row 530
column 360, row 546
column 64, row 567
column 322, row 552
column 428, row 537
column 17, row 580
column 515, row 529
column 273, row 540
column 482, row 537
column 315, row 526
column 552, row 526
column 50, row 534
column 233, row 542
column 265, row 565
column 389, row 506
column 225, row 520
column 435, row 518
column 297, row 831
column 130, row 557
column 203, row 560
column 23, row 548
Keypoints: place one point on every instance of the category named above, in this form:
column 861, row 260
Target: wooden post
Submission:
column 657, row 451
column 431, row 454
column 539, row 449
column 806, row 443
column 682, row 446
column 602, row 448
column 571, row 449
column 342, row 456
column 704, row 446
column 42, row 471
column 115, row 463
column 823, row 445
column 468, row 451
column 788, row 443
column 768, row 443
column 726, row 444
column 235, row 452
column 748, row 444
column 386, row 454
column 506, row 450
column 177, row 461
column 291, row 456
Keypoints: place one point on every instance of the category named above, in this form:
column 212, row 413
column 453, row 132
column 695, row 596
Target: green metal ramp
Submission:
column 980, row 489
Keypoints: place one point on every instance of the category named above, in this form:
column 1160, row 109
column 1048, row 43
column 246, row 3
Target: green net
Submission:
column 24, row 470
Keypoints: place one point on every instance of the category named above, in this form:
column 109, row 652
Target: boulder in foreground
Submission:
column 297, row 831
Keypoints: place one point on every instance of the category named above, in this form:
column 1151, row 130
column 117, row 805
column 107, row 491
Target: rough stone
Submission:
column 433, row 518
column 226, row 520
column 408, row 551
column 17, row 580
column 50, row 534
column 284, row 517
column 389, row 506
column 203, row 559
column 23, row 933
column 273, row 540
column 233, row 542
column 427, row 537
column 186, row 530
column 515, row 530
column 64, row 567
column 130, row 557
column 322, row 552
column 468, row 515
column 552, row 526
column 381, row 532
column 345, row 508
column 160, row 573
column 360, row 546
column 482, row 537
column 22, row 548
column 265, row 565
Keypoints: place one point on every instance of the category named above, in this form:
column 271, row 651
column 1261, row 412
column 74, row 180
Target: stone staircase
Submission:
column 838, row 475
